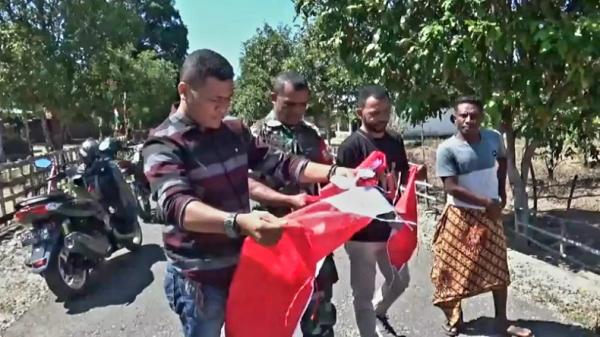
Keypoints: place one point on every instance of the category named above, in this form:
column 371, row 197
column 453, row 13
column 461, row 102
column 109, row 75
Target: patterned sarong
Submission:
column 469, row 258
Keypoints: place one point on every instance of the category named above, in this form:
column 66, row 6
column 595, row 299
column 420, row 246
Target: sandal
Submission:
column 453, row 331
column 450, row 331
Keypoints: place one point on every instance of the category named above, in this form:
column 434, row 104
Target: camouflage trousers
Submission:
column 320, row 315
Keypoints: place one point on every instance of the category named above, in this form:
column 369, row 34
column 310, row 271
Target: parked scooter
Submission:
column 140, row 185
column 76, row 228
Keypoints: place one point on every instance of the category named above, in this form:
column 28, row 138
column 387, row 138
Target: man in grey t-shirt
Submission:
column 475, row 165
column 469, row 245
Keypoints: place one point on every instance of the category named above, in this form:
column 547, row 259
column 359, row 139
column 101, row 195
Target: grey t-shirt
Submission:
column 474, row 164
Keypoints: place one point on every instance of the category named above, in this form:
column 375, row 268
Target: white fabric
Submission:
column 482, row 182
column 364, row 256
column 365, row 201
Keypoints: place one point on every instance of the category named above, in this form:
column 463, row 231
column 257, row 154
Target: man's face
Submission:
column 208, row 103
column 375, row 115
column 290, row 105
column 468, row 118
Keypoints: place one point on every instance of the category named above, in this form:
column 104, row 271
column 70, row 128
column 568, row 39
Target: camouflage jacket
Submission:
column 302, row 139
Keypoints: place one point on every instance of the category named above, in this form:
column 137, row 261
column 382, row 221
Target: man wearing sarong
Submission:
column 469, row 245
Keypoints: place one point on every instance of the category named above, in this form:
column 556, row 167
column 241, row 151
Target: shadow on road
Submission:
column 119, row 280
column 485, row 326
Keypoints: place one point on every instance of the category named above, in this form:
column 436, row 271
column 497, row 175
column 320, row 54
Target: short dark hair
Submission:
column 204, row 63
column 297, row 81
column 373, row 90
column 468, row 99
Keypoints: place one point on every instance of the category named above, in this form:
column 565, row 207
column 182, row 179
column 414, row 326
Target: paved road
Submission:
column 128, row 301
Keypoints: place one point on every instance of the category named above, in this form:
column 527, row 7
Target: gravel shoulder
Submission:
column 19, row 288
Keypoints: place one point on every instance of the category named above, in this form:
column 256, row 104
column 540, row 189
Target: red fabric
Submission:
column 273, row 285
column 402, row 243
column 375, row 162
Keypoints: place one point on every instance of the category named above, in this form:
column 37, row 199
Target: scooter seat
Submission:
column 38, row 199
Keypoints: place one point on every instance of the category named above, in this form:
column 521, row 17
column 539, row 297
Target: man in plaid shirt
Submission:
column 197, row 163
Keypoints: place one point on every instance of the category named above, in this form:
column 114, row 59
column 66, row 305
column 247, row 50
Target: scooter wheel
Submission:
column 136, row 241
column 64, row 280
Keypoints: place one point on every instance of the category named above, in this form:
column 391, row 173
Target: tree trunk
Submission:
column 59, row 135
column 534, row 185
column 518, row 180
column 47, row 137
column 27, row 135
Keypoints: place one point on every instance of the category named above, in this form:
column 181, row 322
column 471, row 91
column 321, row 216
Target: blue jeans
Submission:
column 201, row 308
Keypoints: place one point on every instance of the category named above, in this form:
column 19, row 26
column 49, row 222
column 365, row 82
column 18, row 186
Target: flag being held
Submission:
column 273, row 285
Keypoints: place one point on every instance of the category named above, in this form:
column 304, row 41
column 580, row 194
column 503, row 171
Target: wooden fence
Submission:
column 555, row 235
column 21, row 179
column 558, row 236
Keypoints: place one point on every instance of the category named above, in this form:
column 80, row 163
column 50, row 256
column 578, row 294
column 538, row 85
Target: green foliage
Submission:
column 262, row 59
column 530, row 62
column 332, row 86
column 148, row 102
column 533, row 62
column 79, row 58
column 271, row 51
column 164, row 31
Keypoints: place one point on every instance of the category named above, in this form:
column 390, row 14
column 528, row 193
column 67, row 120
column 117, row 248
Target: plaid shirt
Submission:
column 184, row 163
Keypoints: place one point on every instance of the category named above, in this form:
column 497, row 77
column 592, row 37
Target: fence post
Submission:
column 516, row 220
column 2, row 205
column 573, row 184
column 561, row 244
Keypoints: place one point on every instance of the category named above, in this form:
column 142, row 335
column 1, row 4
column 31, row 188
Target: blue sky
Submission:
column 223, row 25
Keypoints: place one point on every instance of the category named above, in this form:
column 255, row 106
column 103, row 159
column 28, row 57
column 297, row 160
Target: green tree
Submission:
column 263, row 57
column 150, row 98
column 164, row 31
column 533, row 62
column 77, row 58
column 273, row 50
column 142, row 85
column 332, row 86
column 65, row 39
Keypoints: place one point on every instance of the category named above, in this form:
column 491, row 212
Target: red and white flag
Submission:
column 273, row 285
column 403, row 241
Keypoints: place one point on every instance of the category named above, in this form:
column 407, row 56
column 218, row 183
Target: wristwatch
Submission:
column 232, row 229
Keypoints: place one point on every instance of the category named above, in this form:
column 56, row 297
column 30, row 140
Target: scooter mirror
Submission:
column 42, row 163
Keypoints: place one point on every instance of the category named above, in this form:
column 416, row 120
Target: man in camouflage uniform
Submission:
column 284, row 128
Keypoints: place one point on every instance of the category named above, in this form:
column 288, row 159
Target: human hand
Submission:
column 263, row 227
column 297, row 201
column 494, row 209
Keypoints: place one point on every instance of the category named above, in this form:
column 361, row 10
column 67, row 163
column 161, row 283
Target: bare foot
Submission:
column 512, row 330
